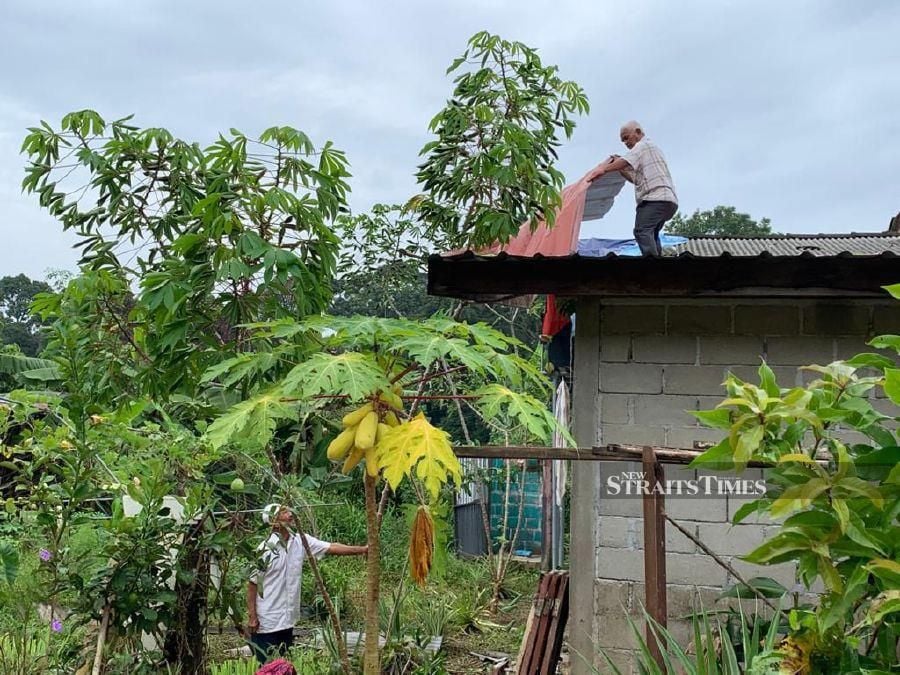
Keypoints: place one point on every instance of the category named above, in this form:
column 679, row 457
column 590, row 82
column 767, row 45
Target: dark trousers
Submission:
column 648, row 223
column 269, row 645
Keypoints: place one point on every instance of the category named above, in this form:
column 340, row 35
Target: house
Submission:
column 654, row 338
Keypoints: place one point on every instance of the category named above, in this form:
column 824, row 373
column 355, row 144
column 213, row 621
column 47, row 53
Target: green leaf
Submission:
column 747, row 443
column 720, row 418
column 351, row 374
column 886, row 570
column 767, row 380
column 893, row 289
column 749, row 508
column 797, row 497
column 765, row 586
column 868, row 360
column 250, row 423
column 783, row 546
column 886, row 342
column 9, row 562
column 496, row 401
column 720, row 457
column 892, row 384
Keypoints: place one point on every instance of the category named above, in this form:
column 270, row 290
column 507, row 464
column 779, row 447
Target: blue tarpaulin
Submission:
column 597, row 248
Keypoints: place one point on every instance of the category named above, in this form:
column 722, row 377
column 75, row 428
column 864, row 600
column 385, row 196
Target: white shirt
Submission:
column 278, row 583
column 652, row 180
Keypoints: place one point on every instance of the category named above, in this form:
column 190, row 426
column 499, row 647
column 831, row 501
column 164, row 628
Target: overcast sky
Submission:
column 788, row 110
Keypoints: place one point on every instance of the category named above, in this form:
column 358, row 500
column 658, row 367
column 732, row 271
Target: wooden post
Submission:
column 654, row 550
column 546, row 515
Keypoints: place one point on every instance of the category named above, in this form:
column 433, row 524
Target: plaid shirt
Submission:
column 652, row 180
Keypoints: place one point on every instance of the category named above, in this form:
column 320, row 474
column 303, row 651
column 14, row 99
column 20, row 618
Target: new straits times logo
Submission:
column 638, row 484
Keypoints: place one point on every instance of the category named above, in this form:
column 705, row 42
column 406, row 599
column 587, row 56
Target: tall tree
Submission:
column 490, row 167
column 213, row 238
column 720, row 221
column 17, row 324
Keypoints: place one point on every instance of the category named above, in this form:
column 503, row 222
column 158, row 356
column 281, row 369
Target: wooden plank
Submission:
column 546, row 514
column 654, row 551
column 531, row 626
column 543, row 621
column 559, row 615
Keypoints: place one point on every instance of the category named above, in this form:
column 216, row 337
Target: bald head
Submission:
column 631, row 133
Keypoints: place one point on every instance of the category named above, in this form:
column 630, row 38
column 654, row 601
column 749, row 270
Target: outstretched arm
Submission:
column 343, row 549
column 252, row 618
column 613, row 163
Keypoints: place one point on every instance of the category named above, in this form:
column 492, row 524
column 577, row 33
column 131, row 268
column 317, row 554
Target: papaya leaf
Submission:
column 349, row 374
column 426, row 348
column 495, row 401
column 417, row 445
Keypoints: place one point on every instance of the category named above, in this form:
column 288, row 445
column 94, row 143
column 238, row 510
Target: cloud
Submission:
column 785, row 110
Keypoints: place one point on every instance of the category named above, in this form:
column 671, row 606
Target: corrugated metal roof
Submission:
column 819, row 245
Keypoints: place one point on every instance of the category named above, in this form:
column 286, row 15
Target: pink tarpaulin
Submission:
column 580, row 201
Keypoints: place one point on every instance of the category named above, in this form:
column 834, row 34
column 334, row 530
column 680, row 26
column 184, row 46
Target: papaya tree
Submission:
column 377, row 368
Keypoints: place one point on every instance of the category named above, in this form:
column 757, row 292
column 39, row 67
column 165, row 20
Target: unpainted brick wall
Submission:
column 659, row 360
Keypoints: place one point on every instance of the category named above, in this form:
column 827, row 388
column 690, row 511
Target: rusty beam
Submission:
column 605, row 453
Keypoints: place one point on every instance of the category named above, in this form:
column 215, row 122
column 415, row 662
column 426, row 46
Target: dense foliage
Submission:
column 835, row 487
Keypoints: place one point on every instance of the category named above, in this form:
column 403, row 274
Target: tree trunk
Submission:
column 372, row 656
column 185, row 643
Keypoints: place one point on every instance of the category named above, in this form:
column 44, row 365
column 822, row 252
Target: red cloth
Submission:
column 277, row 667
column 554, row 319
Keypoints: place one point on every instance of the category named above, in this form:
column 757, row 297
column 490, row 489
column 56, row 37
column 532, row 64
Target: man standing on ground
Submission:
column 273, row 593
column 645, row 166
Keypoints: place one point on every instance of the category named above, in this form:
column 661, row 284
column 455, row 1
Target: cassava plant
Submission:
column 838, row 500
column 490, row 167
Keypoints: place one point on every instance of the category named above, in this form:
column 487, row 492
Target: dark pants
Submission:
column 269, row 645
column 648, row 223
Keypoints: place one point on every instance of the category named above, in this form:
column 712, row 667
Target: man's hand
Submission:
column 252, row 624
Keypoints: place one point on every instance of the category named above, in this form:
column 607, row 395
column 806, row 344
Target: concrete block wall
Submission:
column 655, row 361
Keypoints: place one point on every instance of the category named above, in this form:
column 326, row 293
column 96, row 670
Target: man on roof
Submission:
column 654, row 191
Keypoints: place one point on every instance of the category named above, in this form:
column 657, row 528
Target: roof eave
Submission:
column 487, row 279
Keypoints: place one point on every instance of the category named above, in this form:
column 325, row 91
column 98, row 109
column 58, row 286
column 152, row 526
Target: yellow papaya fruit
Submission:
column 392, row 399
column 365, row 432
column 371, row 463
column 352, row 460
column 380, row 431
column 391, row 419
column 341, row 445
column 355, row 417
